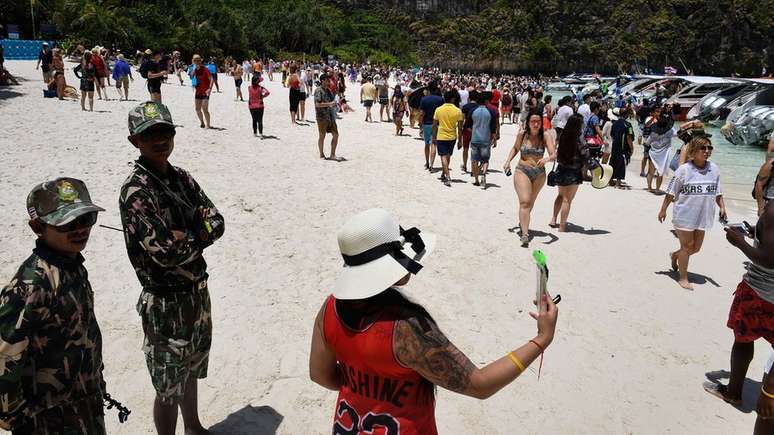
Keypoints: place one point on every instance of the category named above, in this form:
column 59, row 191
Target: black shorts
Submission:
column 201, row 97
column 154, row 87
column 568, row 176
column 238, row 82
column 383, row 101
column 368, row 103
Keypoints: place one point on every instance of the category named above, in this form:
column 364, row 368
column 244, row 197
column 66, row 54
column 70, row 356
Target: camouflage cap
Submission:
column 147, row 115
column 59, row 202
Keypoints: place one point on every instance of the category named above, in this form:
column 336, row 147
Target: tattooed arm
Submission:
column 420, row 345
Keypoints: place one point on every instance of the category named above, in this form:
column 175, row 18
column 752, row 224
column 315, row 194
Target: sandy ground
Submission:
column 631, row 349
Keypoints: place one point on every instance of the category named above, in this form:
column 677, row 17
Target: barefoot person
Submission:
column 695, row 189
column 571, row 156
column 368, row 94
column 256, row 94
column 202, row 92
column 398, row 109
column 530, row 174
column 482, row 124
column 428, row 104
column 168, row 221
column 752, row 317
column 45, row 58
column 367, row 329
column 324, row 104
column 155, row 76
column 122, row 73
column 50, row 342
column 87, row 73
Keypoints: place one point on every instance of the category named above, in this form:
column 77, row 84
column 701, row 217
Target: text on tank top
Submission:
column 378, row 395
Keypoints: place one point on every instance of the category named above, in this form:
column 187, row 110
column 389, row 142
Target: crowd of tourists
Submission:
column 367, row 328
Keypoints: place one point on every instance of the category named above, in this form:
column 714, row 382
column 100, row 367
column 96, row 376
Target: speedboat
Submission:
column 694, row 89
column 717, row 106
column 750, row 126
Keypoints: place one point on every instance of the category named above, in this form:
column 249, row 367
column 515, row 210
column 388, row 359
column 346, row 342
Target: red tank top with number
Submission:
column 378, row 396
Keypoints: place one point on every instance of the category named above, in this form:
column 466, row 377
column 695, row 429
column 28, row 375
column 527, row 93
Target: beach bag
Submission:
column 551, row 178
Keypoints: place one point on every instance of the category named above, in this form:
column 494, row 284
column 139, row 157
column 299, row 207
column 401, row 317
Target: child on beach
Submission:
column 50, row 342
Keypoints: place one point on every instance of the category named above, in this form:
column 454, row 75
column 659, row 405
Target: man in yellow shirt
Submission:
column 367, row 97
column 447, row 130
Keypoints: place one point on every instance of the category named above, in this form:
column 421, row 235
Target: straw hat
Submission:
column 601, row 176
column 374, row 248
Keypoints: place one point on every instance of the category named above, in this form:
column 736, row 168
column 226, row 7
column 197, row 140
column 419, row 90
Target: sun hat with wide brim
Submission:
column 601, row 176
column 377, row 253
column 612, row 114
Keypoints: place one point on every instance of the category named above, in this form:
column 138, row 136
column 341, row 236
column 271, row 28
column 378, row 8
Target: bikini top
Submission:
column 531, row 151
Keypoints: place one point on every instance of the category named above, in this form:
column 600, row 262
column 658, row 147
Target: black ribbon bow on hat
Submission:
column 394, row 249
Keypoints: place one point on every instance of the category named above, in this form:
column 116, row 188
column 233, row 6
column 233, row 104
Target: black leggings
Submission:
column 257, row 115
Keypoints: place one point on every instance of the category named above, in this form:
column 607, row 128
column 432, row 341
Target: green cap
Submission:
column 59, row 202
column 147, row 115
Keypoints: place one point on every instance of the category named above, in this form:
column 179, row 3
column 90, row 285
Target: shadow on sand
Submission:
column 750, row 390
column 572, row 228
column 535, row 233
column 7, row 94
column 250, row 420
column 693, row 278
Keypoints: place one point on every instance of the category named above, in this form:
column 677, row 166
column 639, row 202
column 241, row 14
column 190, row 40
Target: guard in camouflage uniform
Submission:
column 50, row 343
column 168, row 222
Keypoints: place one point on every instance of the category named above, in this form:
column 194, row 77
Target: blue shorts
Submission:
column 427, row 133
column 480, row 152
column 445, row 147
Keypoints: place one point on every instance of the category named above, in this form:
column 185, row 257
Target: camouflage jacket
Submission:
column 50, row 343
column 149, row 214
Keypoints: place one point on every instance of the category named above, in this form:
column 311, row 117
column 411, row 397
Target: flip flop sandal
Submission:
column 719, row 391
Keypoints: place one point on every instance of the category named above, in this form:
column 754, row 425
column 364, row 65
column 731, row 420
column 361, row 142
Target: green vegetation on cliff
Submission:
column 708, row 36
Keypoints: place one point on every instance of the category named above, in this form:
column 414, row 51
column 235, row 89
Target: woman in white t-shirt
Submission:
column 695, row 189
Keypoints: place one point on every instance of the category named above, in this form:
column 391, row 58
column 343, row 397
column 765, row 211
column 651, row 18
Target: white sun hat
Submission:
column 601, row 176
column 377, row 253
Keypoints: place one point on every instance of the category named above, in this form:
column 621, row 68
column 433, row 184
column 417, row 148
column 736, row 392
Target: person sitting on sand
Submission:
column 384, row 353
column 695, row 189
column 752, row 317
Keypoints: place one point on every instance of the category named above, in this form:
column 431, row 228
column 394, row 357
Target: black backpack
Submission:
column 144, row 69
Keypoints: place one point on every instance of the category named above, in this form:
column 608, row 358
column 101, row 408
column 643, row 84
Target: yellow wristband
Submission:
column 766, row 393
column 516, row 362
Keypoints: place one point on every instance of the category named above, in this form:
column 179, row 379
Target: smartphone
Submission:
column 542, row 278
column 508, row 172
column 742, row 228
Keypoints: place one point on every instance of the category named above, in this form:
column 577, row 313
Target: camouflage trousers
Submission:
column 178, row 334
column 85, row 417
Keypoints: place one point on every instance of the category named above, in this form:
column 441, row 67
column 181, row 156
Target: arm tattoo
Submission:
column 421, row 345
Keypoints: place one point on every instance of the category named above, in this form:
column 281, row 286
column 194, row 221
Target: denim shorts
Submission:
column 445, row 147
column 427, row 132
column 480, row 152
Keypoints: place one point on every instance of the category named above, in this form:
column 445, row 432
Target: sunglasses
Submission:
column 84, row 221
column 707, row 148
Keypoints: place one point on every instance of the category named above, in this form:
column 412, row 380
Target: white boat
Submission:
column 694, row 89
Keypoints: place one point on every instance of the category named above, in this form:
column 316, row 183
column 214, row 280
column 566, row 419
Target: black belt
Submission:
column 160, row 290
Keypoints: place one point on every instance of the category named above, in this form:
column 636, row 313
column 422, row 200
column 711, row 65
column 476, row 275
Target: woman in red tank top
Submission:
column 385, row 354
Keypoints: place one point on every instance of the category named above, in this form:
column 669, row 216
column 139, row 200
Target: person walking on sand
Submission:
column 302, row 94
column 168, row 222
column 660, row 142
column 294, row 93
column 530, row 174
column 368, row 329
column 155, row 75
column 572, row 156
column 237, row 72
column 45, row 57
column 399, row 109
column 213, row 69
column 751, row 317
column 368, row 94
column 447, row 131
column 324, row 103
column 256, row 94
column 122, row 73
column 50, row 342
column 481, row 122
column 202, row 92
column 428, row 105
column 383, row 92
column 86, row 72
column 101, row 73
column 695, row 190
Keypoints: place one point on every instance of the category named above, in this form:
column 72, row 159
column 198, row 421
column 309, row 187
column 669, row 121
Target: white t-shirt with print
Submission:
column 694, row 191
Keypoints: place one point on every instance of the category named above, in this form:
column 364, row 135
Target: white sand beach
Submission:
column 631, row 349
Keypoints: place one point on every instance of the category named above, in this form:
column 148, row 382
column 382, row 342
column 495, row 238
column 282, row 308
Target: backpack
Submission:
column 144, row 70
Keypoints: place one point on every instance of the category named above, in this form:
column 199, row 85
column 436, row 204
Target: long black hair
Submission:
column 352, row 312
column 527, row 129
column 569, row 140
